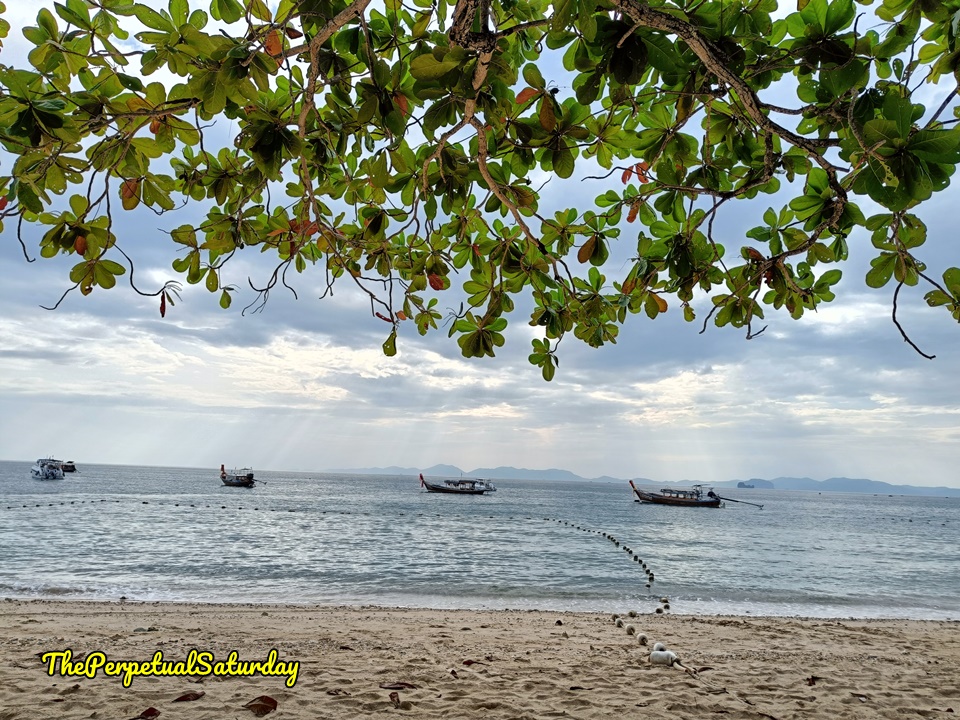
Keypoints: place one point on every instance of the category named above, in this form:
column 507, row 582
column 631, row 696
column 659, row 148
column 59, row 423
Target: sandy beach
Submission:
column 359, row 662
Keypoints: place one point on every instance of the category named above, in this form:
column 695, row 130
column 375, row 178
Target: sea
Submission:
column 115, row 532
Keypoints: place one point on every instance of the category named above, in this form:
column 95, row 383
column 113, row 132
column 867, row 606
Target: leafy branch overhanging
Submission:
column 402, row 147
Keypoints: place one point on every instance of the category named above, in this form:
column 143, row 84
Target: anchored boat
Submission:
column 47, row 469
column 461, row 486
column 693, row 496
column 238, row 478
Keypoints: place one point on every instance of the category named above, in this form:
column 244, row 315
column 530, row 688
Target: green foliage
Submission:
column 406, row 153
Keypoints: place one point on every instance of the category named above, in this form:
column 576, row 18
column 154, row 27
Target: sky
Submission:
column 304, row 385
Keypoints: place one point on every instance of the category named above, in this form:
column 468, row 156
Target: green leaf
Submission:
column 951, row 278
column 390, row 345
column 531, row 74
column 427, row 67
column 152, row 19
column 881, row 270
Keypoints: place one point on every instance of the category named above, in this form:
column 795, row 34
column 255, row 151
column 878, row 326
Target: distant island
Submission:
column 836, row 484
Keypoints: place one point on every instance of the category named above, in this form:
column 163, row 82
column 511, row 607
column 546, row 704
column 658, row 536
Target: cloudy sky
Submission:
column 303, row 385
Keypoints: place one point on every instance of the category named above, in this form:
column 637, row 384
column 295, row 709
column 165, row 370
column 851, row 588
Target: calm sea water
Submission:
column 178, row 534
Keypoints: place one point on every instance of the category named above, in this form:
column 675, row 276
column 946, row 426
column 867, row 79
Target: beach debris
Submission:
column 579, row 687
column 632, row 613
column 148, row 714
column 190, row 696
column 339, row 691
column 473, row 662
column 454, row 673
column 345, row 647
column 559, row 622
column 812, row 680
column 399, row 685
column 395, row 699
column 261, row 705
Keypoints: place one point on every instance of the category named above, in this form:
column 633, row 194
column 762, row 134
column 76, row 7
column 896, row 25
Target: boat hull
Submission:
column 238, row 482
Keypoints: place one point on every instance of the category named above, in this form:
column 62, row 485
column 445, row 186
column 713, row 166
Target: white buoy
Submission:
column 631, row 630
column 663, row 657
column 642, row 639
column 619, row 622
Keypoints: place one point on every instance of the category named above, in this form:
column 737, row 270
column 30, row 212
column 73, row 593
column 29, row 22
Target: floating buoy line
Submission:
column 634, row 557
column 626, row 548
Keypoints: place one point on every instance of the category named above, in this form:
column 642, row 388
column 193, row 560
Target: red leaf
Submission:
column 273, row 44
column 625, row 178
column 634, row 209
column 293, row 33
column 262, row 705
column 130, row 193
column 3, row 204
column 401, row 102
column 527, row 94
column 187, row 697
column 155, row 125
column 401, row 315
column 586, row 250
column 395, row 699
column 130, row 188
column 80, row 245
column 383, row 317
column 641, row 169
column 163, row 304
column 436, row 282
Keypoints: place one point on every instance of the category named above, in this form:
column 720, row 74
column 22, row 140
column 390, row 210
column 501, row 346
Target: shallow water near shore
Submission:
column 177, row 534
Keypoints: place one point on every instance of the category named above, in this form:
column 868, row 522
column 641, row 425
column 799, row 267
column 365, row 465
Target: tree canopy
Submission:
column 406, row 146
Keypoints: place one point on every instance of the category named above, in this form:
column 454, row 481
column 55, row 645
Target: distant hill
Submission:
column 836, row 484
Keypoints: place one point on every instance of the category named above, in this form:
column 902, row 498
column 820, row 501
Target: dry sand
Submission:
column 472, row 664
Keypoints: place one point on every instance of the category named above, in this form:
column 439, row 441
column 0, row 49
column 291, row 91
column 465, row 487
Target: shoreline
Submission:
column 470, row 663
column 643, row 606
